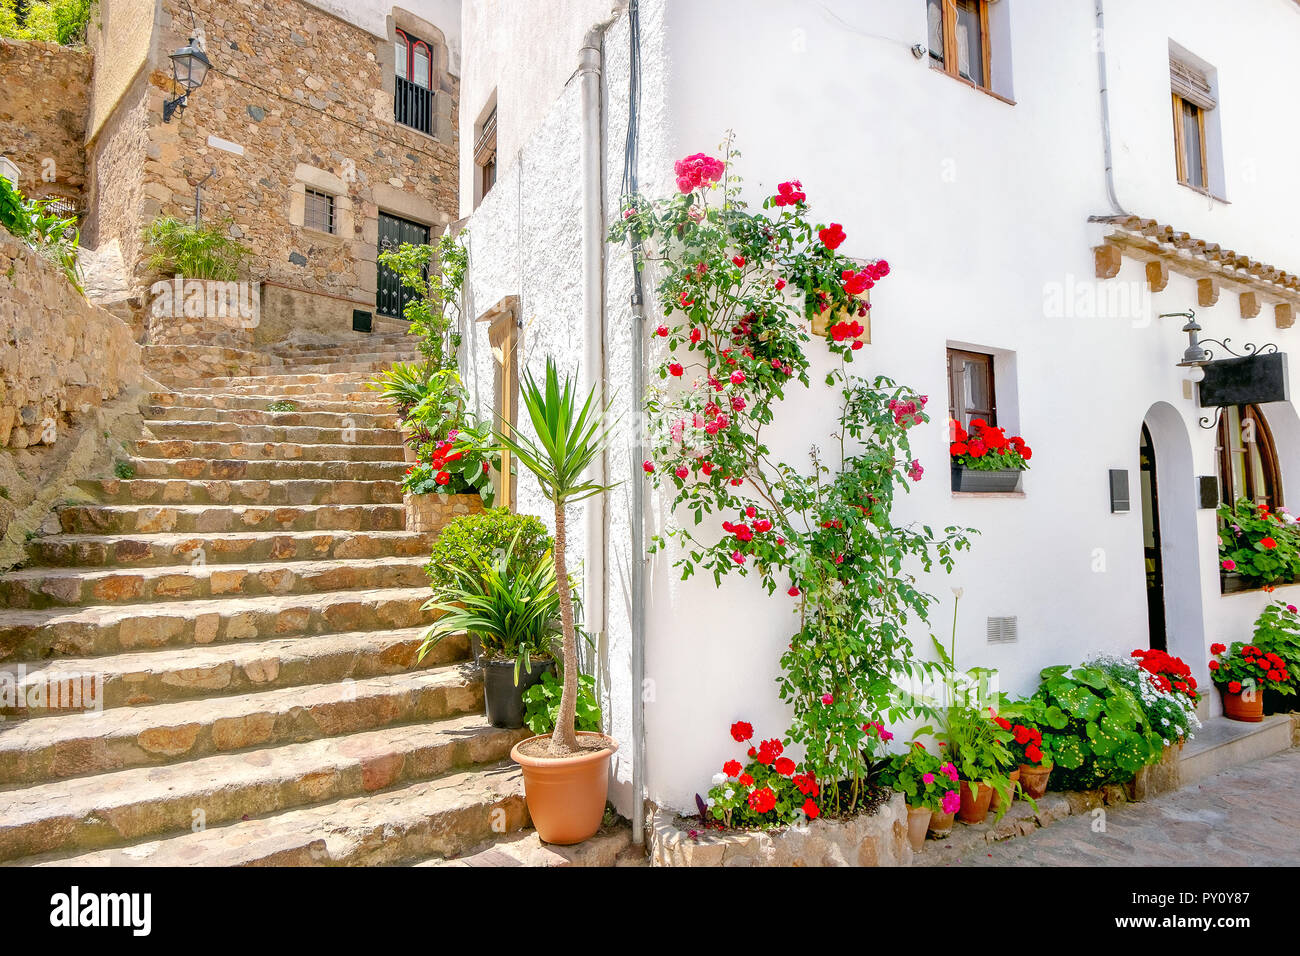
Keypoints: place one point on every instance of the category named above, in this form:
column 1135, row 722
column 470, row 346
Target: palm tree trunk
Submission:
column 564, row 740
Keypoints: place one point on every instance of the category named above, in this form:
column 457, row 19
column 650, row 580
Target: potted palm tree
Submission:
column 566, row 773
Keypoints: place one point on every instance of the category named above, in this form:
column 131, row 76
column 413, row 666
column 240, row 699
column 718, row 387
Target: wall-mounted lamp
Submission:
column 189, row 69
column 1195, row 354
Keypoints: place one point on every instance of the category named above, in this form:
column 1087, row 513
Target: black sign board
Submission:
column 1252, row 380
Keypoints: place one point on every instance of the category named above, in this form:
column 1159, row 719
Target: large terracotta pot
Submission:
column 566, row 795
column 1033, row 780
column 918, row 822
column 940, row 824
column 1238, row 707
column 974, row 802
column 996, row 803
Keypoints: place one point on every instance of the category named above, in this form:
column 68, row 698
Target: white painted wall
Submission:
column 372, row 15
column 982, row 208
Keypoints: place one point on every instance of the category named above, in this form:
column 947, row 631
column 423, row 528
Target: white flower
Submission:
column 719, row 779
column 709, row 802
column 729, row 793
column 958, row 592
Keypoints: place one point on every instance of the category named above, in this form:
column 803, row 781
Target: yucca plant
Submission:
column 515, row 611
column 569, row 438
column 196, row 252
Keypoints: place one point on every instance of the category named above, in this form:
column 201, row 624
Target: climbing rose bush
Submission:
column 738, row 290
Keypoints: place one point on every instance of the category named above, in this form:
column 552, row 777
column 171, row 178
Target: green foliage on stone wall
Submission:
column 51, row 21
column 54, row 237
column 196, row 252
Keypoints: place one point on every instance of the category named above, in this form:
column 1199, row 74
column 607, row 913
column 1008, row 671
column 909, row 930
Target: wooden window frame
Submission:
column 1264, row 446
column 1180, row 143
column 948, row 31
column 956, row 408
column 485, row 154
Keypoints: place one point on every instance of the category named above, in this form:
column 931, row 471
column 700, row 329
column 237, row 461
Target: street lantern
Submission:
column 189, row 70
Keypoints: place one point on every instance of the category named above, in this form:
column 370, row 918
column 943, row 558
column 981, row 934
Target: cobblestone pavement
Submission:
column 1246, row 816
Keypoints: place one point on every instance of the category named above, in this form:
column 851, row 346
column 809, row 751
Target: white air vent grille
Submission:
column 1002, row 630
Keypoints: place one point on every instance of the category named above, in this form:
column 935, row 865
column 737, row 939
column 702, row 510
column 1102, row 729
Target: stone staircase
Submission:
column 214, row 662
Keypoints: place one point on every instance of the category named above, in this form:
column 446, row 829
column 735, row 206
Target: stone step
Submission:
column 352, row 434
column 443, row 817
column 291, row 491
column 259, row 416
column 335, row 366
column 610, row 847
column 1222, row 743
column 153, row 550
column 127, row 680
column 269, row 451
column 112, row 629
column 369, row 403
column 79, row 745
column 150, row 802
column 78, row 587
column 203, row 518
column 363, row 342
column 355, row 391
column 277, row 380
column 235, row 469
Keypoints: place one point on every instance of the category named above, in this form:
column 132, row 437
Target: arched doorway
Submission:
column 1175, row 615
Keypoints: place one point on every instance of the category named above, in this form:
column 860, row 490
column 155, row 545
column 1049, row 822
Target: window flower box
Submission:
column 985, row 460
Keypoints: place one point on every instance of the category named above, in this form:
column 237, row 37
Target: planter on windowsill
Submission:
column 1003, row 480
column 1232, row 582
column 430, row 513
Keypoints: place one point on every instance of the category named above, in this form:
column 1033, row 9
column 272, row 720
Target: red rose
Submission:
column 831, row 236
column 741, row 731
column 648, row 466
column 675, row 369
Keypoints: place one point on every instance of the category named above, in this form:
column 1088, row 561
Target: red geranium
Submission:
column 742, row 731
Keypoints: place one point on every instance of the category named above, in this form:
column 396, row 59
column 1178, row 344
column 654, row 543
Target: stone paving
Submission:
column 1246, row 816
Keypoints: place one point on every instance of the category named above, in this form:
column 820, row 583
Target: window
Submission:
column 318, row 211
column 970, row 387
column 1193, row 102
column 959, row 39
column 413, row 83
column 485, row 155
column 1247, row 457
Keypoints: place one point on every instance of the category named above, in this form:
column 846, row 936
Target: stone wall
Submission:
column 295, row 99
column 69, row 373
column 43, row 117
column 61, row 355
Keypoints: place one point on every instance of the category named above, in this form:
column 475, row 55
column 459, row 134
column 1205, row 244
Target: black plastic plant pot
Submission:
column 505, row 700
column 1001, row 480
column 475, row 648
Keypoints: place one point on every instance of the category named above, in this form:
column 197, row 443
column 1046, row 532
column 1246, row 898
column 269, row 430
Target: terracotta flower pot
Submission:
column 996, row 803
column 1033, row 780
column 940, row 824
column 918, row 822
column 566, row 795
column 974, row 803
column 1238, row 707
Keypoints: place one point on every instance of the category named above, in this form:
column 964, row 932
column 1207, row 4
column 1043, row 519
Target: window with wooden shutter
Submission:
column 959, row 39
column 970, row 387
column 1247, row 457
column 1193, row 96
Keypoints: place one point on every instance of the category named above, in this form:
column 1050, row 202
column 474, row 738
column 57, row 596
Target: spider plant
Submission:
column 515, row 611
column 196, row 252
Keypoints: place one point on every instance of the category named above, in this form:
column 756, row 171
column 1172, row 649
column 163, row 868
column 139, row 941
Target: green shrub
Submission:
column 50, row 21
column 196, row 252
column 282, row 405
column 474, row 540
column 1107, row 737
column 542, row 703
column 1258, row 544
column 50, row 235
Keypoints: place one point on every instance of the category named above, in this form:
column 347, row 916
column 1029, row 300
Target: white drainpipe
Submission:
column 593, row 314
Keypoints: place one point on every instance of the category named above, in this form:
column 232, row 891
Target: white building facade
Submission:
column 1020, row 166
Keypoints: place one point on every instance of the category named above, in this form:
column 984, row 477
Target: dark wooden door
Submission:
column 1151, row 543
column 392, row 296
